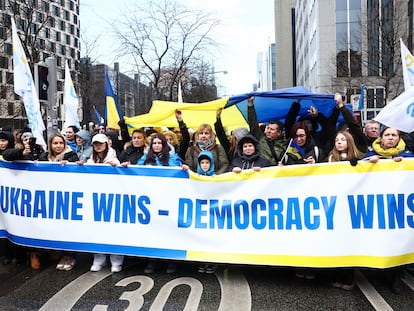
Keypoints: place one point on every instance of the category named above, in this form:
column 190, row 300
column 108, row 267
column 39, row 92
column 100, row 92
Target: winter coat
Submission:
column 247, row 162
column 221, row 163
column 111, row 156
column 266, row 145
column 131, row 154
column 398, row 151
column 173, row 160
column 68, row 155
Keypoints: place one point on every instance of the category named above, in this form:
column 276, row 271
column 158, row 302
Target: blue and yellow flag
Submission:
column 98, row 118
column 112, row 112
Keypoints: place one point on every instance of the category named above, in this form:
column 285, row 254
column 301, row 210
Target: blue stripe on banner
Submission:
column 131, row 170
column 100, row 248
column 3, row 234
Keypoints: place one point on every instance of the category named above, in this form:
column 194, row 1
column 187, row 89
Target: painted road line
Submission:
column 409, row 280
column 370, row 293
column 67, row 297
column 235, row 291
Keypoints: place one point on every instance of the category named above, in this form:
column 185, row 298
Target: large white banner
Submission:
column 324, row 215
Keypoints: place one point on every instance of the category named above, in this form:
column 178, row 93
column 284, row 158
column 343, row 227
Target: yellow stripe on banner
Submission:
column 302, row 261
column 320, row 169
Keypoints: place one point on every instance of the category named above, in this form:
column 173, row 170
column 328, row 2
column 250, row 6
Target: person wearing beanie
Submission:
column 248, row 155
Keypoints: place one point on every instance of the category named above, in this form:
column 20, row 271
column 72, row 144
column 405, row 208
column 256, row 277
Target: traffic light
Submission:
column 42, row 81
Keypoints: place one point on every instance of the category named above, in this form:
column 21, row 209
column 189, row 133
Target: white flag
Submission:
column 25, row 87
column 399, row 113
column 407, row 61
column 70, row 101
column 180, row 93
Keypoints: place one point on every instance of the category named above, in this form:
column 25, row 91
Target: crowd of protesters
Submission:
column 302, row 140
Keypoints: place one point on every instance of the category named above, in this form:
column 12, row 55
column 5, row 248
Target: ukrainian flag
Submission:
column 112, row 112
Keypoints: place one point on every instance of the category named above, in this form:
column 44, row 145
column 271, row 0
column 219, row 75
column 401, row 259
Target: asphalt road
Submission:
column 230, row 288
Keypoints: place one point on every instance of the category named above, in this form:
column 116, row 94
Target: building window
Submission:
column 51, row 21
column 4, row 62
column 3, row 33
column 8, row 49
column 62, row 25
column 68, row 39
column 58, row 36
column 56, row 11
column 10, row 109
column 348, row 38
column 380, row 34
column 375, row 98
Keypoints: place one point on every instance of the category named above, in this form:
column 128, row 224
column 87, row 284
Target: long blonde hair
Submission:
column 351, row 153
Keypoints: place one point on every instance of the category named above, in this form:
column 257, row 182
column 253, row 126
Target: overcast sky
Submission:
column 248, row 28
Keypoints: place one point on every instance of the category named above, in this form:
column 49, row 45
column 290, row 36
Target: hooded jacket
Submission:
column 203, row 155
column 84, row 152
column 9, row 137
column 248, row 161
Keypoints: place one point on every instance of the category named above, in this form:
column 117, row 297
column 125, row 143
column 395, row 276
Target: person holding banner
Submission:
column 389, row 145
column 205, row 139
column 59, row 151
column 301, row 148
column 103, row 153
column 159, row 155
column 248, row 156
column 135, row 149
column 344, row 148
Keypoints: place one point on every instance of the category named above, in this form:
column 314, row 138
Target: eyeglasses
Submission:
column 300, row 136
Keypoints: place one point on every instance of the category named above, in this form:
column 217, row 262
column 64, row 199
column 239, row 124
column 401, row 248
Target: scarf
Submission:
column 205, row 146
column 390, row 152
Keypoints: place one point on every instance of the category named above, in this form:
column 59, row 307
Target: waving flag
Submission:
column 98, row 118
column 25, row 87
column 407, row 60
column 361, row 98
column 70, row 101
column 399, row 113
column 112, row 112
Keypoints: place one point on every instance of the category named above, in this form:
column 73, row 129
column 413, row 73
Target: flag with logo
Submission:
column 25, row 87
column 70, row 101
column 399, row 113
column 407, row 60
column 112, row 112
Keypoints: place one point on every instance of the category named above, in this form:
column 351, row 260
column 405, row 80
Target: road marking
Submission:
column 67, row 297
column 409, row 280
column 193, row 299
column 235, row 291
column 371, row 294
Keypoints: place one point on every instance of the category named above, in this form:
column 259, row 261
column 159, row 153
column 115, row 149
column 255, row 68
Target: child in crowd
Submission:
column 205, row 167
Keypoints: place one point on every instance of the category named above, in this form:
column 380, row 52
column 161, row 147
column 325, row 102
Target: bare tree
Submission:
column 165, row 40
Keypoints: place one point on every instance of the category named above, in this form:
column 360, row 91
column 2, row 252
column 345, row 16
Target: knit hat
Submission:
column 26, row 135
column 240, row 132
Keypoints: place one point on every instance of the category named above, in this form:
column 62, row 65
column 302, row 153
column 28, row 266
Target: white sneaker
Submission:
column 96, row 268
column 115, row 269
